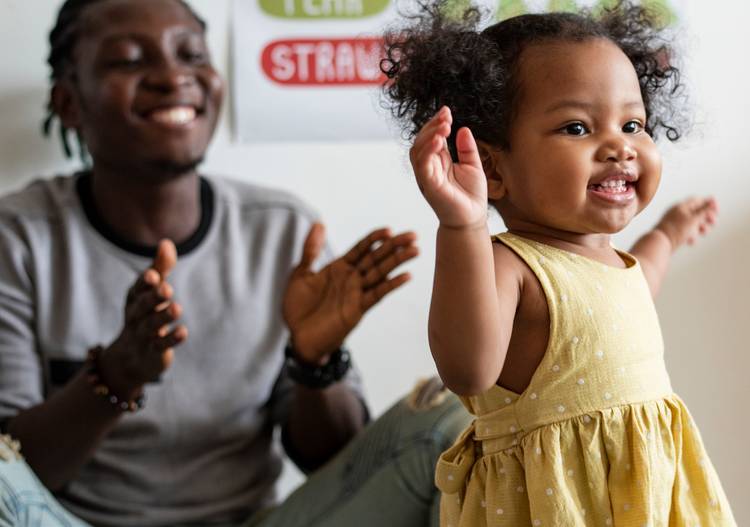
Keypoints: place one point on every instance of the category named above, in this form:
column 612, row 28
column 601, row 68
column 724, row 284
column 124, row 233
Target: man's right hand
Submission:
column 145, row 347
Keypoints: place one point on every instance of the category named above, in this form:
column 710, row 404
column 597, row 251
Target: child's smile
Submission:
column 580, row 160
column 616, row 187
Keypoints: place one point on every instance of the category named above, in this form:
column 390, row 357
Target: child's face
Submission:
column 580, row 160
column 147, row 91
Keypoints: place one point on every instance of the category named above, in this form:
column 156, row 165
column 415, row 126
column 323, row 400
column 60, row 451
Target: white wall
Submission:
column 360, row 186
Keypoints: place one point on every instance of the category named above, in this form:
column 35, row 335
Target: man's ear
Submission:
column 490, row 157
column 65, row 104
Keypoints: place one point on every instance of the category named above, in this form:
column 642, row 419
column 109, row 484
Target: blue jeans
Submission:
column 385, row 476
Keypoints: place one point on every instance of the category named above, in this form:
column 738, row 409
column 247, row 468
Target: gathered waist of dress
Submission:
column 500, row 430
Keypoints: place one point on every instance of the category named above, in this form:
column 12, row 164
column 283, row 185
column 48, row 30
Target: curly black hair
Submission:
column 62, row 41
column 441, row 59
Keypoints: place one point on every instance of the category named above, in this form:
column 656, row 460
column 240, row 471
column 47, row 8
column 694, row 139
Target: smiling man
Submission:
column 158, row 326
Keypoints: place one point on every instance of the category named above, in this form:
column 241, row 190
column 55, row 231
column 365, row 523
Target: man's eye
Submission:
column 574, row 129
column 124, row 62
column 632, row 127
column 197, row 57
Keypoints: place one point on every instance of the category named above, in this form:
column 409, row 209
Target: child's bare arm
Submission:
column 681, row 224
column 472, row 309
column 465, row 337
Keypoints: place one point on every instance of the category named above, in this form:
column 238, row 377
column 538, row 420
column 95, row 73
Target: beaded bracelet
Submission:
column 95, row 380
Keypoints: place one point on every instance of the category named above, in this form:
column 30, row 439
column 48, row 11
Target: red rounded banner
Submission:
column 324, row 61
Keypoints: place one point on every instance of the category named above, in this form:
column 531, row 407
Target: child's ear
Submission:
column 65, row 104
column 490, row 157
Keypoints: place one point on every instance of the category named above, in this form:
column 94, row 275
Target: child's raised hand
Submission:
column 685, row 221
column 457, row 192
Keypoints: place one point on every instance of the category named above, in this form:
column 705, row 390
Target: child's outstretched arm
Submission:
column 466, row 339
column 680, row 225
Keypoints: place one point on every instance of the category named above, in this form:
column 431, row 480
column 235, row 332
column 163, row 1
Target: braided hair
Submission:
column 62, row 40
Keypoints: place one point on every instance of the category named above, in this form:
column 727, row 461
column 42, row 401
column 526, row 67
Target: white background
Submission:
column 358, row 186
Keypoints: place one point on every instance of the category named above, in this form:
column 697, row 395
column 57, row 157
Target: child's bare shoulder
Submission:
column 510, row 269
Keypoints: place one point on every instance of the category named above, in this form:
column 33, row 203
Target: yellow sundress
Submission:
column 598, row 438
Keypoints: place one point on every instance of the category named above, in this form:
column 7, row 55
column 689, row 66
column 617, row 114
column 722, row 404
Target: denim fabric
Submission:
column 24, row 502
column 383, row 477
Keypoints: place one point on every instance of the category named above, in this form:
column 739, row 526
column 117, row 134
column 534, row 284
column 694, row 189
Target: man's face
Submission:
column 147, row 95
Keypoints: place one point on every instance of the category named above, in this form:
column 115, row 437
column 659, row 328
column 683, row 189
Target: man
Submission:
column 163, row 413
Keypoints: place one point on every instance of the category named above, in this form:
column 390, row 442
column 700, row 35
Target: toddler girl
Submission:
column 548, row 332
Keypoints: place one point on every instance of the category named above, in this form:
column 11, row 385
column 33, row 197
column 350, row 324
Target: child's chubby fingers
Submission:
column 155, row 323
column 148, row 301
column 710, row 209
column 468, row 153
column 431, row 137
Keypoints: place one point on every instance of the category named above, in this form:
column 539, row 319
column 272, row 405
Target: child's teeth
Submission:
column 614, row 186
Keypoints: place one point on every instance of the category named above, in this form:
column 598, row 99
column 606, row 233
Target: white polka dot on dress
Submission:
column 561, row 409
column 533, row 395
column 499, row 512
column 549, row 491
column 519, row 489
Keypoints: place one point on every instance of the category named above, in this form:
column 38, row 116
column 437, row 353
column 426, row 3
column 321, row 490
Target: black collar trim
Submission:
column 86, row 195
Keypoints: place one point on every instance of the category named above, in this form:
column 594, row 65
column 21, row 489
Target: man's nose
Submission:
column 169, row 78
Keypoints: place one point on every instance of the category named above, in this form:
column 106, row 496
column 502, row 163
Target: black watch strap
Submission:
column 313, row 376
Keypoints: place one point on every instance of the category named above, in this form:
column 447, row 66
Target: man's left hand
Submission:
column 321, row 308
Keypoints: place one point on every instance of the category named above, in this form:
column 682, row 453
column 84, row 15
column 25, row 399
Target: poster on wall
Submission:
column 308, row 70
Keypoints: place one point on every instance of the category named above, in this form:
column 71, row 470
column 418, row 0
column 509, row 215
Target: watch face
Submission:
column 313, row 376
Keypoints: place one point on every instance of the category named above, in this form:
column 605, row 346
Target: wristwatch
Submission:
column 314, row 376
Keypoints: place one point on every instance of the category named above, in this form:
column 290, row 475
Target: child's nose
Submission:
column 617, row 149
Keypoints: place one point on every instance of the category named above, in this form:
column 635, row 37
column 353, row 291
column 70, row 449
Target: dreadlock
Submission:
column 62, row 41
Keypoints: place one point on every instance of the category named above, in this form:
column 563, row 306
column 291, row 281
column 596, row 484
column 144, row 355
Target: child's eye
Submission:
column 632, row 127
column 574, row 129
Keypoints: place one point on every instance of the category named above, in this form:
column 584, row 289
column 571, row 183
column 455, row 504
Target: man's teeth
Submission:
column 177, row 115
